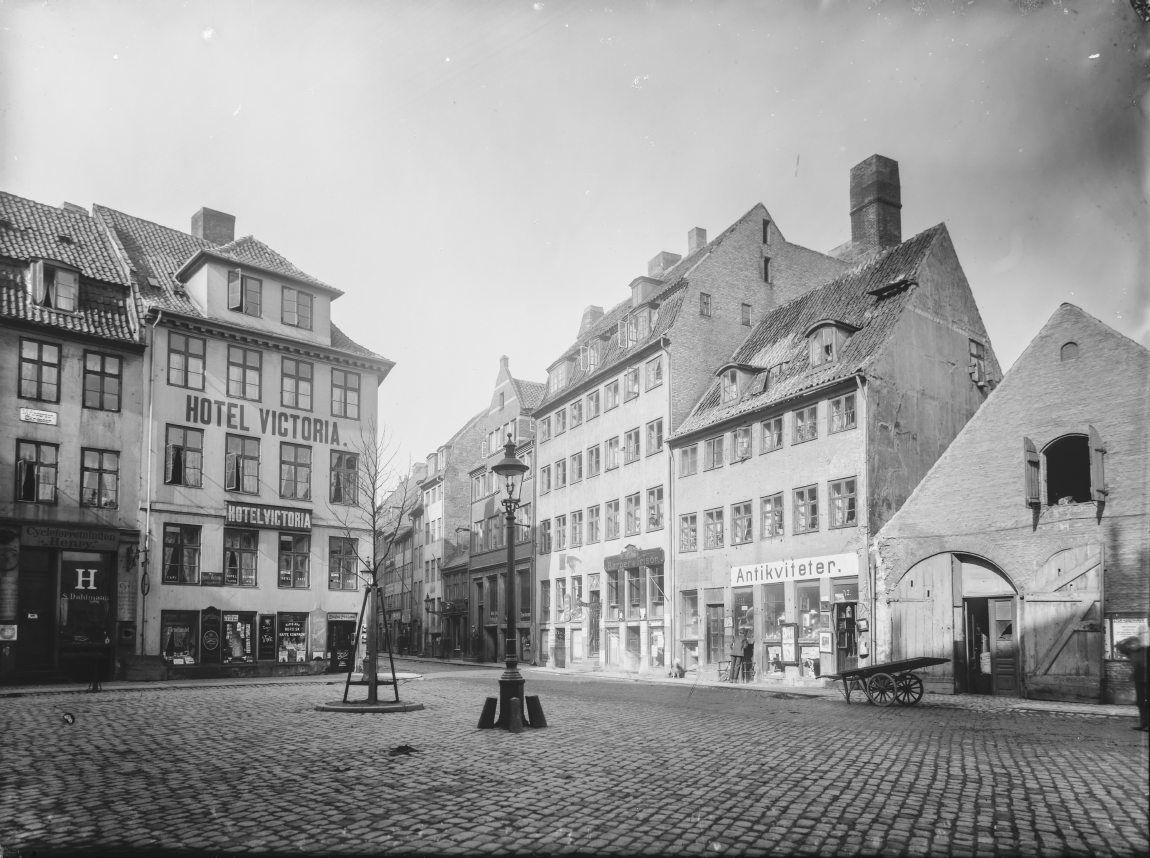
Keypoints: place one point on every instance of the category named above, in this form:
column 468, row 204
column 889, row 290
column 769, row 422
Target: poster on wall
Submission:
column 1120, row 628
column 790, row 644
column 267, row 640
column 292, row 638
column 811, row 663
column 239, row 638
column 825, row 644
column 775, row 658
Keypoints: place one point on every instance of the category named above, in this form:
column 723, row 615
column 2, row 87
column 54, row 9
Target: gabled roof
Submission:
column 250, row 251
column 779, row 340
column 529, row 393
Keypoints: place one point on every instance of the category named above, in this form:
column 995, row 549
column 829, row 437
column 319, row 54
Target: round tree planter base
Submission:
column 380, row 708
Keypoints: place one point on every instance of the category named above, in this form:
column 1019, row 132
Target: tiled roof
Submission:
column 250, row 250
column 30, row 230
column 530, row 393
column 101, row 311
column 780, row 339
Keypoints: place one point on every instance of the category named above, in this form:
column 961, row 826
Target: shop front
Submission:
column 632, row 614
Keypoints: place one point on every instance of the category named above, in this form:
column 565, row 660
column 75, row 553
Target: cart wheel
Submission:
column 882, row 689
column 908, row 689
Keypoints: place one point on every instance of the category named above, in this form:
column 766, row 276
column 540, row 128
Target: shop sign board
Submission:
column 71, row 538
column 269, row 517
column 35, row 415
column 795, row 569
column 632, row 557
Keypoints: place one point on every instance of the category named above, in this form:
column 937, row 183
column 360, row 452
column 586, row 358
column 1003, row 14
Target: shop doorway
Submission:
column 614, row 647
column 341, row 642
column 37, row 611
column 716, row 635
column 991, row 646
column 561, row 647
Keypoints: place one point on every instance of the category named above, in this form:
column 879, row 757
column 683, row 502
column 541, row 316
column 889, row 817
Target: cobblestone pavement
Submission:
column 624, row 767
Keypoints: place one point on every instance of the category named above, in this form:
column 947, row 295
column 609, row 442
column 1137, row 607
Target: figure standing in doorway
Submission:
column 1134, row 648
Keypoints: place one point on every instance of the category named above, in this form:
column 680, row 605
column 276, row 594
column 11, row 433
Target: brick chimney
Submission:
column 590, row 316
column 696, row 239
column 876, row 203
column 661, row 263
column 214, row 226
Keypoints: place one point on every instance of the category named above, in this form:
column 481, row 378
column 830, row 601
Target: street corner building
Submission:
column 1023, row 557
column 71, row 357
column 193, row 428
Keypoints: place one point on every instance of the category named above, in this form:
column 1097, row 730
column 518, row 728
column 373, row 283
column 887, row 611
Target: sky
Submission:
column 474, row 174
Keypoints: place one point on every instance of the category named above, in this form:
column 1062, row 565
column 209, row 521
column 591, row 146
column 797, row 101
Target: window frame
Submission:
column 244, row 367
column 611, row 395
column 631, row 384
column 838, row 414
column 805, row 509
column 653, row 372
column 714, row 454
column 40, row 364
column 714, row 528
column 592, row 413
column 297, row 293
column 38, row 464
column 631, row 453
column 739, row 434
column 656, row 504
column 849, row 507
column 611, row 516
column 183, row 544
column 301, row 471
column 293, row 556
column 243, row 552
column 594, row 524
column 102, row 375
column 298, row 380
column 689, row 525
column 242, row 298
column 99, row 471
column 346, row 407
column 742, row 512
column 598, row 459
column 772, row 518
column 655, row 436
column 769, row 446
column 633, row 514
column 188, row 356
column 169, row 456
column 705, row 305
column 338, row 472
column 244, row 456
column 689, row 453
column 802, row 420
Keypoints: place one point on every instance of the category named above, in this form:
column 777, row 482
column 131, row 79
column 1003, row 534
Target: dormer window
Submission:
column 635, row 328
column 826, row 341
column 244, row 293
column 589, row 357
column 55, row 287
column 730, row 385
column 557, row 379
column 297, row 308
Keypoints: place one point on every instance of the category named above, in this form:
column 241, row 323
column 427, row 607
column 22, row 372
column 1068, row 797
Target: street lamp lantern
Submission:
column 511, row 470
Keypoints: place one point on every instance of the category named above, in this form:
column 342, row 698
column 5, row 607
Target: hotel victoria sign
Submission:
column 269, row 517
column 795, row 569
column 235, row 415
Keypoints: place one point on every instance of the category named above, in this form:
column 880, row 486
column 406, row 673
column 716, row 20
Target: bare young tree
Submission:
column 369, row 494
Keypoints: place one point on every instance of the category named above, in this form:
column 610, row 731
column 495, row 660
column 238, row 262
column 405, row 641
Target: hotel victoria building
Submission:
column 256, row 406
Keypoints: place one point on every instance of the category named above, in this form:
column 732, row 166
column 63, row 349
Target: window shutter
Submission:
column 169, row 464
column 39, row 288
column 26, row 487
column 232, row 469
column 235, row 294
column 1030, row 466
column 1097, row 466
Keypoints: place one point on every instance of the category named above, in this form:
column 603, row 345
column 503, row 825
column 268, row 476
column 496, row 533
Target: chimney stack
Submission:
column 214, row 226
column 661, row 263
column 73, row 207
column 876, row 203
column 696, row 239
column 503, row 362
column 590, row 316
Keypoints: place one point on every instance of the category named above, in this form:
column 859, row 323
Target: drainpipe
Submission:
column 670, row 568
column 147, row 553
column 871, row 567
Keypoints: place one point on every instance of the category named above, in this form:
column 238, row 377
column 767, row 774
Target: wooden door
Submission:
column 36, row 600
column 1003, row 646
column 716, row 635
column 561, row 647
column 341, row 642
column 1062, row 645
column 922, row 618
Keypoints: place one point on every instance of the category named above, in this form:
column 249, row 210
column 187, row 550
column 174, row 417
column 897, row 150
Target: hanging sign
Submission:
column 271, row 517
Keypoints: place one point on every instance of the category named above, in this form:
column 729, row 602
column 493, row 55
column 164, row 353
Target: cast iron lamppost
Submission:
column 511, row 701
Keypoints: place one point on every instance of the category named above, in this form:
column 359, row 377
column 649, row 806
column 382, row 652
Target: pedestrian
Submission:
column 1134, row 648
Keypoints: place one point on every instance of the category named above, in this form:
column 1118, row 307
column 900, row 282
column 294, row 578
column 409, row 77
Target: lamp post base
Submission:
column 515, row 711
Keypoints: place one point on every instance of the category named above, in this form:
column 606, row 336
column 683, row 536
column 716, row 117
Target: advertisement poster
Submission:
column 790, row 645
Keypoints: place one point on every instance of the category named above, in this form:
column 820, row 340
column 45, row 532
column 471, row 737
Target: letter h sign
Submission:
column 86, row 579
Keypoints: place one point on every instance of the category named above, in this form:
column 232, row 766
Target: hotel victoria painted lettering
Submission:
column 272, row 517
column 234, row 415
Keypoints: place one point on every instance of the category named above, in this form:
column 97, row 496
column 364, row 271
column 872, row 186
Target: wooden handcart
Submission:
column 884, row 684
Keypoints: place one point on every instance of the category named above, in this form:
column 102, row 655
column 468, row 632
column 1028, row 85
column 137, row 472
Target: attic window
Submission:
column 55, row 288
column 65, row 239
column 1074, row 470
column 557, row 379
column 826, row 342
column 729, row 385
column 1069, row 351
column 589, row 357
column 244, row 293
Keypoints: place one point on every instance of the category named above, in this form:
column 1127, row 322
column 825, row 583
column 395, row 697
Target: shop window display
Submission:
column 239, row 638
column 291, row 637
column 179, row 633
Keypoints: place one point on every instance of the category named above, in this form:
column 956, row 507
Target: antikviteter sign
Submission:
column 795, row 569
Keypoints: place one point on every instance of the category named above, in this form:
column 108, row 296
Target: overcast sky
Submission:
column 474, row 174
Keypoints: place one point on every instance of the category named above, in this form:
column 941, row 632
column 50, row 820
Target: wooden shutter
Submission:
column 1030, row 468
column 235, row 293
column 170, row 463
column 1097, row 466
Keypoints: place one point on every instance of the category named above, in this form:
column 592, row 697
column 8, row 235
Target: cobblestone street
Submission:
column 624, row 767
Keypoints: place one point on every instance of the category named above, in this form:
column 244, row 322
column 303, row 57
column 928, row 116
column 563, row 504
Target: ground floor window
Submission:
column 291, row 637
column 179, row 636
column 239, row 638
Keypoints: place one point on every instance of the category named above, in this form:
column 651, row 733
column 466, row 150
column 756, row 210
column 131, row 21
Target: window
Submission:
column 766, row 269
column 611, row 394
column 557, row 380
column 654, row 372
column 774, row 610
column 576, row 528
column 185, row 361
column 630, row 384
column 1070, row 471
column 729, row 385
column 39, row 370
column 713, row 528
column 633, row 512
column 55, row 288
column 545, row 479
column 742, row 443
column 344, row 477
column 741, row 523
column 560, row 532
column 576, row 467
column 745, row 312
column 842, row 413
column 689, row 461
column 36, row 466
column 241, row 550
column 766, row 230
column 242, row 464
column 612, row 519
column 613, row 589
column 295, row 471
column 545, row 600
column 772, row 435
column 689, row 621
column 842, row 506
column 654, row 436
column 295, row 384
column 576, row 413
column 612, row 453
column 635, row 584
column 345, row 394
column 772, row 523
column 592, row 405
column 705, row 304
column 545, row 536
column 561, row 473
column 295, row 560
column 775, row 374
column 713, row 453
column 592, row 524
column 297, row 308
column 99, row 478
column 655, row 508
column 181, row 554
column 594, row 461
column 179, row 636
column 977, row 362
column 184, row 457
column 631, row 446
column 560, row 422
column 244, row 293
column 244, row 370
column 1069, row 351
column 589, row 357
column 689, row 532
column 544, row 429
column 806, row 427
column 806, row 509
column 102, row 381
column 824, row 345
